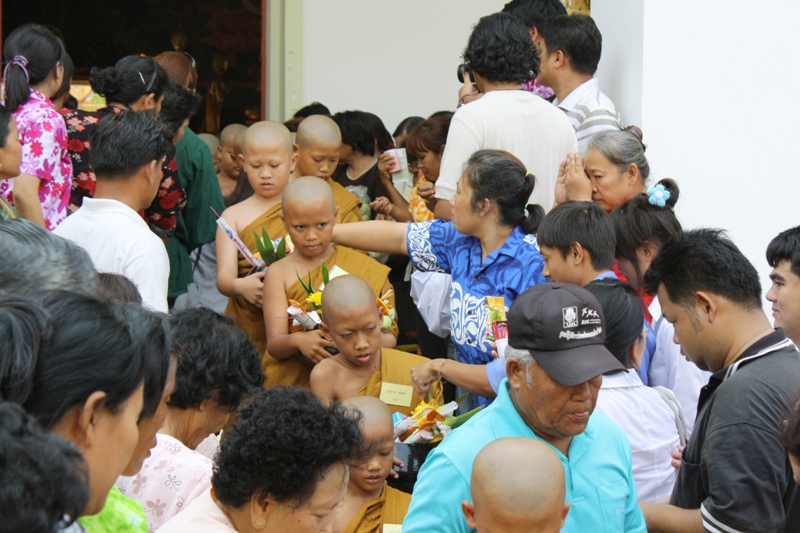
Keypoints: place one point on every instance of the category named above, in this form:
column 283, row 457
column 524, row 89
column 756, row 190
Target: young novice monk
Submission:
column 318, row 143
column 229, row 165
column 508, row 498
column 362, row 367
column 369, row 503
column 268, row 161
column 309, row 214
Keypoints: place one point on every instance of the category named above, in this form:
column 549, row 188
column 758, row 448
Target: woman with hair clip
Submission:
column 196, row 224
column 33, row 73
column 136, row 83
column 489, row 249
column 642, row 225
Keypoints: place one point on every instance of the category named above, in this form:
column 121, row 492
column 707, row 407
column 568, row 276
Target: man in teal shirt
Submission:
column 554, row 361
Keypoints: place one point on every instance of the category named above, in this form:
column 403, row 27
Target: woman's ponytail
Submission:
column 31, row 53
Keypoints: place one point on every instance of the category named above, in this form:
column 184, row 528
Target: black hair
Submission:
column 130, row 79
column 152, row 340
column 243, row 190
column 5, row 124
column 40, row 51
column 71, row 103
column 622, row 309
column 532, row 13
column 382, row 136
column 117, row 288
column 406, row 125
column 498, row 176
column 584, row 223
column 500, row 50
column 704, row 260
column 785, row 247
column 217, row 360
column 281, row 446
column 638, row 221
column 66, row 372
column 124, row 142
column 357, row 131
column 447, row 114
column 44, row 481
column 790, row 433
column 314, row 108
column 69, row 70
column 577, row 37
column 179, row 105
column 22, row 325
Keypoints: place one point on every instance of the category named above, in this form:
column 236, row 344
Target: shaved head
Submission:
column 318, row 129
column 346, row 292
column 229, row 133
column 531, row 494
column 305, row 189
column 238, row 141
column 210, row 140
column 374, row 413
column 266, row 132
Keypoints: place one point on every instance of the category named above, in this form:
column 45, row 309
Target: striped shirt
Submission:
column 589, row 111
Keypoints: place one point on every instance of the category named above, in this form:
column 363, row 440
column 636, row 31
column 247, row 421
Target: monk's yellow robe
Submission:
column 250, row 317
column 396, row 370
column 389, row 509
column 348, row 203
column 296, row 370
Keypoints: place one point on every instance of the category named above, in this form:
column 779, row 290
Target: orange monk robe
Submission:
column 296, row 370
column 250, row 317
column 348, row 203
column 396, row 370
column 389, row 509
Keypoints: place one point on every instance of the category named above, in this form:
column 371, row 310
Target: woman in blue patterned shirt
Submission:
column 489, row 249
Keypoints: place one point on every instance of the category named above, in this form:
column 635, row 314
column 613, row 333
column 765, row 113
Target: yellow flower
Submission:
column 315, row 298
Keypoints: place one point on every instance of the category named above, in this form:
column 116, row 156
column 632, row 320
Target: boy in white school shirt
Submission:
column 127, row 152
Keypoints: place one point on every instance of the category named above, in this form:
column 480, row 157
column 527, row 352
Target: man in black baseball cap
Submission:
column 554, row 362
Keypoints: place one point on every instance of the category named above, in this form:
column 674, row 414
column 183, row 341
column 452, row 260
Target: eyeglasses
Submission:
column 149, row 85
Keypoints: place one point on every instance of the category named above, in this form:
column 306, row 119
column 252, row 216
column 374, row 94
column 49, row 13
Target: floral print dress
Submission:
column 44, row 155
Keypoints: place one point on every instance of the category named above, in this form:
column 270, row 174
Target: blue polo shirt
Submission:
column 509, row 271
column 599, row 476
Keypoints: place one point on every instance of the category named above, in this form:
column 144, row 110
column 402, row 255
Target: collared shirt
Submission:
column 734, row 468
column 589, row 111
column 509, row 271
column 650, row 425
column 599, row 479
column 119, row 241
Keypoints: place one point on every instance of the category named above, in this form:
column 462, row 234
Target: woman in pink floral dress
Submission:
column 32, row 74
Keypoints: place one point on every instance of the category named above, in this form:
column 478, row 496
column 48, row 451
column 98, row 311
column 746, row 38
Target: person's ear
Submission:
column 323, row 327
column 647, row 251
column 149, row 101
column 707, row 305
column 152, row 171
column 441, row 150
column 469, row 513
column 259, row 507
column 293, row 161
column 559, row 59
column 576, row 253
column 280, row 214
column 335, row 215
column 296, row 149
column 564, row 513
column 88, row 417
column 516, row 373
column 632, row 174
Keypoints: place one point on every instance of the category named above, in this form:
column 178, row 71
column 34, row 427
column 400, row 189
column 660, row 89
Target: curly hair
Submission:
column 500, row 50
column 217, row 361
column 43, row 481
column 282, row 445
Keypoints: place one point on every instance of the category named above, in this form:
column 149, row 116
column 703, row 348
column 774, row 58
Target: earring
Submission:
column 260, row 523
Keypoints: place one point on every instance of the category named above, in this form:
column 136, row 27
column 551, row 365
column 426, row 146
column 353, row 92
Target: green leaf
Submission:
column 306, row 287
column 281, row 253
column 325, row 275
column 454, row 421
column 310, row 285
column 461, row 398
column 267, row 241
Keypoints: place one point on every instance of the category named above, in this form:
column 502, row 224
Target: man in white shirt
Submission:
column 506, row 117
column 127, row 152
column 570, row 47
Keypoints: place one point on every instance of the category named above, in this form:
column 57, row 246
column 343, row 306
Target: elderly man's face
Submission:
column 554, row 411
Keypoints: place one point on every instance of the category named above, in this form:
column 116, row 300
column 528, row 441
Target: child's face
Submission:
column 228, row 162
column 559, row 268
column 356, row 332
column 370, row 474
column 310, row 225
column 429, row 164
column 268, row 166
column 319, row 159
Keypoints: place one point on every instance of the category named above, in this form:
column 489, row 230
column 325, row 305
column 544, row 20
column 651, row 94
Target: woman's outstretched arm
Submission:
column 373, row 236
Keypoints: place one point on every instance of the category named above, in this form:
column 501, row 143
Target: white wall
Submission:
column 394, row 59
column 718, row 84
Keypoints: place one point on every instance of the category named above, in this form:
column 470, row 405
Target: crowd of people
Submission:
column 235, row 332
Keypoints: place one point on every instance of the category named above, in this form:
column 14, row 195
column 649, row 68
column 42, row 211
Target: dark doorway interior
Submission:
column 224, row 37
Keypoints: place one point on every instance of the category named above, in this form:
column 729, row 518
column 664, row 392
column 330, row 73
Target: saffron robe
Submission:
column 396, row 369
column 389, row 508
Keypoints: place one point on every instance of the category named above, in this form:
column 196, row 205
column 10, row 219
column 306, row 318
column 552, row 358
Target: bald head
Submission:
column 210, row 140
column 506, row 490
column 346, row 293
column 318, row 129
column 229, row 133
column 268, row 133
column 305, row 189
column 374, row 413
